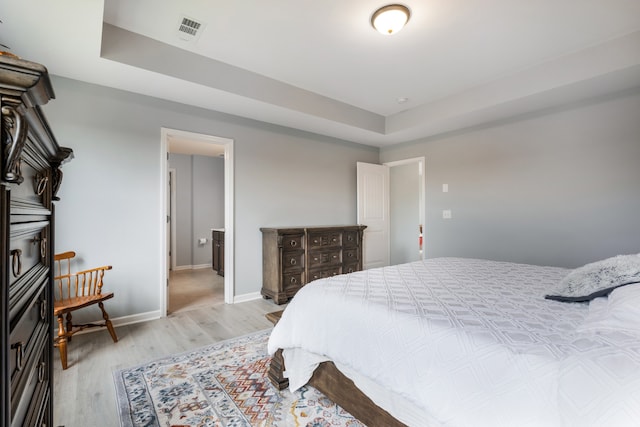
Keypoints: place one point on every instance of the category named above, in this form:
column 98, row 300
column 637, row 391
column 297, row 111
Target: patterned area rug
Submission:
column 224, row 384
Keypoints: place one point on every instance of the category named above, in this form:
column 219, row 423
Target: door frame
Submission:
column 229, row 214
column 172, row 215
column 421, row 192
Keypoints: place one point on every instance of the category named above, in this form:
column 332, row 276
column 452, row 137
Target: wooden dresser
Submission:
column 217, row 240
column 295, row 256
column 30, row 177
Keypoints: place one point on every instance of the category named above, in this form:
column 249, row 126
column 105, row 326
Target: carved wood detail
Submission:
column 14, row 129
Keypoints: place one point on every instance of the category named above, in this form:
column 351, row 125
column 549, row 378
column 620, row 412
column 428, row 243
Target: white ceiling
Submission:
column 319, row 65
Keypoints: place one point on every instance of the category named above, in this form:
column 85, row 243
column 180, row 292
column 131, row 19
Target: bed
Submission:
column 468, row 342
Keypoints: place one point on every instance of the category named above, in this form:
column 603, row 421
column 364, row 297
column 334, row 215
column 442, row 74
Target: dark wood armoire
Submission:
column 30, row 177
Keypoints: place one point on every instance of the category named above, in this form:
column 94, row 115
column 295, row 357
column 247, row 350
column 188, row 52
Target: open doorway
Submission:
column 406, row 199
column 187, row 247
column 390, row 202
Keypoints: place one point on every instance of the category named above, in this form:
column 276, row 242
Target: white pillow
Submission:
column 620, row 311
column 598, row 279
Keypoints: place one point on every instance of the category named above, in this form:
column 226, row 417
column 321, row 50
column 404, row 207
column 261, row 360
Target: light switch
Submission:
column 446, row 214
column 445, row 188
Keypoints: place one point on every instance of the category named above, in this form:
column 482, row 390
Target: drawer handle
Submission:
column 43, row 246
column 293, row 261
column 19, row 347
column 41, row 371
column 16, row 262
column 293, row 243
column 293, row 280
column 350, row 238
column 43, row 309
column 334, row 240
column 315, row 259
column 350, row 254
column 315, row 240
column 41, row 184
column 335, row 256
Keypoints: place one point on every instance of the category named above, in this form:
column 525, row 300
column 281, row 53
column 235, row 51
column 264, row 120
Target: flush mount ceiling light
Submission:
column 390, row 19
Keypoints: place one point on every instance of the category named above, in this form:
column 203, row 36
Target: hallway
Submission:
column 191, row 289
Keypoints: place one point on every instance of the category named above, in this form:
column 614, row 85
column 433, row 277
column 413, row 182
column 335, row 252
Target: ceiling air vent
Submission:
column 190, row 29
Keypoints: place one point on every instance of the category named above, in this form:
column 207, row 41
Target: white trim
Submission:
column 229, row 254
column 191, row 267
column 201, row 266
column 120, row 321
column 164, row 176
column 229, row 224
column 174, row 215
column 136, row 318
column 246, row 297
column 421, row 192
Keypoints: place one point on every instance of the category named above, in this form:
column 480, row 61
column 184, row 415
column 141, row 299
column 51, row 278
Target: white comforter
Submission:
column 467, row 342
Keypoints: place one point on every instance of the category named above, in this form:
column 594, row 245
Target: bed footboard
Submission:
column 336, row 386
column 341, row 390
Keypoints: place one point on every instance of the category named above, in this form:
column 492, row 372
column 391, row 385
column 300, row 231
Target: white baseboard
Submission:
column 121, row 321
column 246, row 297
column 136, row 318
column 191, row 267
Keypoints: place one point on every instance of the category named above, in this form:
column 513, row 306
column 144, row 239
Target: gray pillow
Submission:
column 598, row 279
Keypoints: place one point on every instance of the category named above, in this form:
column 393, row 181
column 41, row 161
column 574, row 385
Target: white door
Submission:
column 373, row 211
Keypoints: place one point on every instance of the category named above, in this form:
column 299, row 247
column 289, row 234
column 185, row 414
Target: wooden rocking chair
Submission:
column 72, row 292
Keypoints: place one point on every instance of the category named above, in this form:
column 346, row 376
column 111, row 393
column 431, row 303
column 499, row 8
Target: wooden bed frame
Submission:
column 336, row 386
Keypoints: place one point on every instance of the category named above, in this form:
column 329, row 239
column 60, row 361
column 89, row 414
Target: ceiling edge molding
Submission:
column 133, row 49
column 538, row 87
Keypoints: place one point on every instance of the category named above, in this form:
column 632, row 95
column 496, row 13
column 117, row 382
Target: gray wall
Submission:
column 199, row 206
column 110, row 209
column 404, row 187
column 561, row 188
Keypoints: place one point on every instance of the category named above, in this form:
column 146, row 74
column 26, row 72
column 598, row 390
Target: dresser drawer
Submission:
column 318, row 240
column 292, row 241
column 40, row 409
column 351, row 267
column 30, row 194
column 23, row 292
column 321, row 274
column 350, row 239
column 30, row 332
column 28, row 247
column 317, row 258
column 292, row 261
column 292, row 280
column 31, row 406
column 350, row 255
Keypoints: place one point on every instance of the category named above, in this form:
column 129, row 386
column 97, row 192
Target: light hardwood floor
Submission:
column 189, row 289
column 84, row 394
